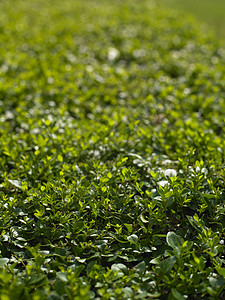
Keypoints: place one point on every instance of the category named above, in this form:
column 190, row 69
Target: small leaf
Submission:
column 104, row 189
column 167, row 265
column 129, row 227
column 37, row 152
column 173, row 240
column 60, row 158
column 216, row 283
column 153, row 174
column 177, row 295
column 109, row 175
column 162, row 183
column 155, row 261
column 169, row 201
column 36, row 280
column 47, row 122
column 78, row 270
column 62, row 276
column 170, row 173
column 133, row 238
column 128, row 292
column 3, row 261
column 142, row 217
column 119, row 267
column 221, row 271
column 140, row 268
column 196, row 223
column 16, row 183
column 124, row 171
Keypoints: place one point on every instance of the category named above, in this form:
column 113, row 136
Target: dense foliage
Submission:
column 112, row 153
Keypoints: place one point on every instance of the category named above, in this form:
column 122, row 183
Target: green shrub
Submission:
column 112, row 153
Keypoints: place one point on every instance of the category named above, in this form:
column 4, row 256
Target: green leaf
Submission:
column 3, row 261
column 216, row 283
column 221, row 271
column 104, row 189
column 153, row 174
column 128, row 292
column 129, row 227
column 167, row 265
column 169, row 201
column 140, row 268
column 62, row 276
column 16, row 183
column 109, row 175
column 60, row 158
column 133, row 238
column 196, row 223
column 119, row 267
column 174, row 241
column 155, row 261
column 170, row 173
column 78, row 270
column 47, row 122
column 124, row 171
column 177, row 295
column 142, row 217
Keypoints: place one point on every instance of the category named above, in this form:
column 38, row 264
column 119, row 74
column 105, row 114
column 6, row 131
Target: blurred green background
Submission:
column 211, row 12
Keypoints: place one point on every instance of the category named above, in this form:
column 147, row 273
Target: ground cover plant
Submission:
column 112, row 153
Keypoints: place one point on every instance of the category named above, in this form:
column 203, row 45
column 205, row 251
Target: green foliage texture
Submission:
column 112, row 153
